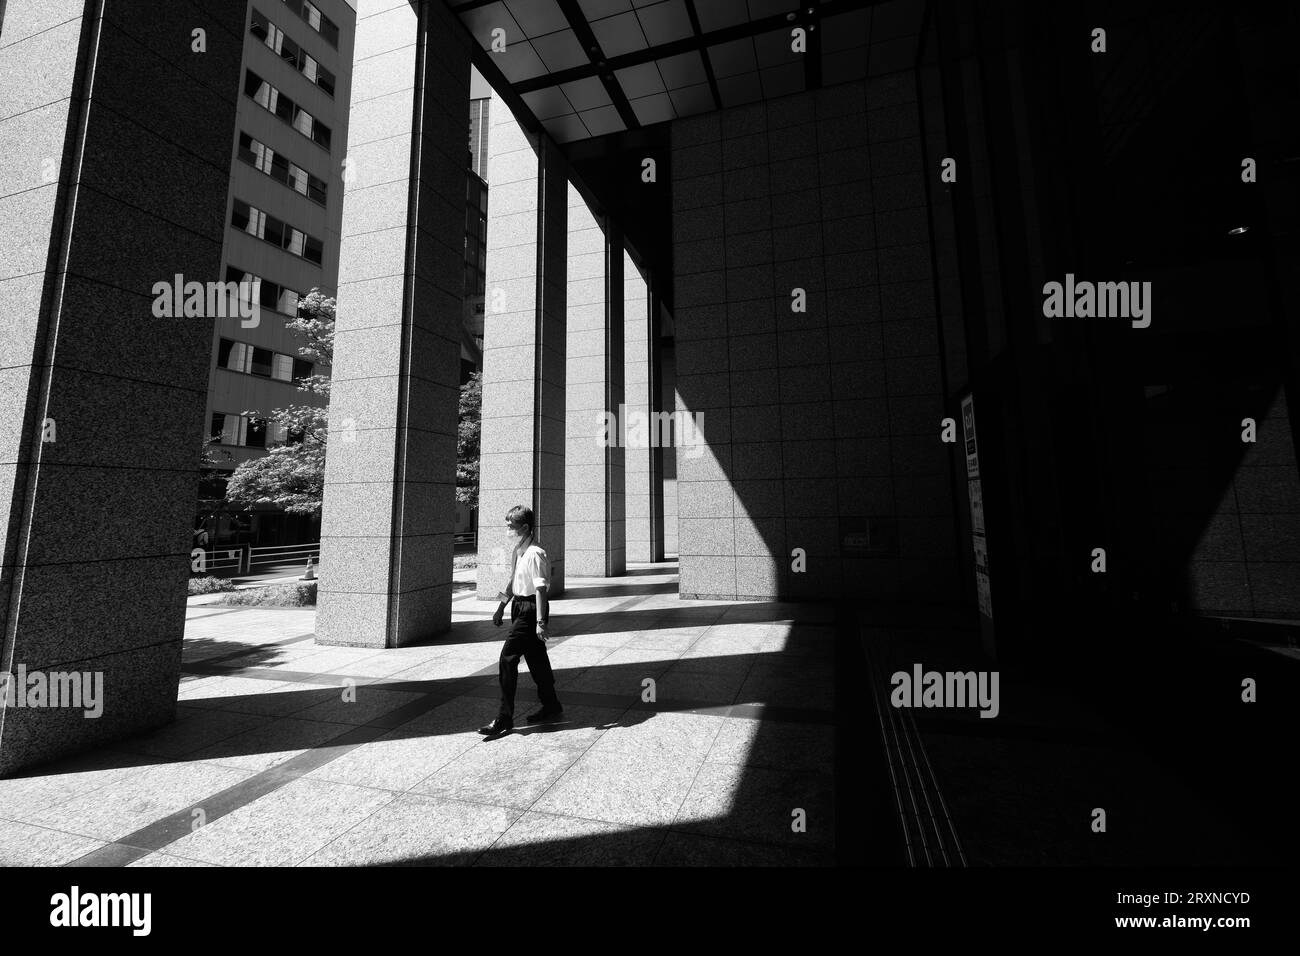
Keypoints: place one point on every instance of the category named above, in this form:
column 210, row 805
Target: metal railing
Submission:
column 288, row 557
column 241, row 559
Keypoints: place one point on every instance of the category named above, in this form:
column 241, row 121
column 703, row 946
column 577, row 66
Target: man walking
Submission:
column 529, row 627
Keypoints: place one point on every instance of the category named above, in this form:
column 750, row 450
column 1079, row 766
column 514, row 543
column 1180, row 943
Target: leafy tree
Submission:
column 292, row 475
column 467, row 440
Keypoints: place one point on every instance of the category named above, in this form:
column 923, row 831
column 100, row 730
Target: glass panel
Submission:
column 255, row 432
column 314, row 250
column 261, row 364
column 289, row 50
column 316, row 189
column 283, row 107
column 237, row 358
column 267, row 294
column 283, row 368
column 273, row 230
column 279, row 168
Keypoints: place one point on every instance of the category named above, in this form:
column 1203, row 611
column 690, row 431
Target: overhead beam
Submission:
column 591, row 46
column 699, row 42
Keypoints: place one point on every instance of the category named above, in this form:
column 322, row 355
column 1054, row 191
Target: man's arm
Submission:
column 543, row 613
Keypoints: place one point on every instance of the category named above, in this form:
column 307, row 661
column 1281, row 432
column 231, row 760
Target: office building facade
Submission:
column 284, row 214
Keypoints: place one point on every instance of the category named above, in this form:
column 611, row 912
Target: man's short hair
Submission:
column 521, row 514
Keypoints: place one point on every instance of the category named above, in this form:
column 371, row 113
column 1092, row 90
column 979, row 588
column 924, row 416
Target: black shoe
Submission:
column 546, row 713
column 498, row 727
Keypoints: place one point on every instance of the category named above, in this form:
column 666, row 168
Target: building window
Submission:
column 259, row 25
column 316, row 188
column 260, row 363
column 233, row 356
column 255, row 432
column 325, row 80
column 268, row 97
column 248, row 432
column 266, row 160
column 252, row 360
column 225, row 428
column 321, row 134
column 291, row 52
column 256, row 223
column 316, row 20
column 268, row 295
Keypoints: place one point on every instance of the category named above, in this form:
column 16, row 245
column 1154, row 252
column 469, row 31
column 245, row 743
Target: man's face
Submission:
column 516, row 531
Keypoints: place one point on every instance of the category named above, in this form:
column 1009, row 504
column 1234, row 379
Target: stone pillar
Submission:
column 594, row 462
column 389, row 512
column 102, row 401
column 644, row 483
column 665, row 458
column 521, row 457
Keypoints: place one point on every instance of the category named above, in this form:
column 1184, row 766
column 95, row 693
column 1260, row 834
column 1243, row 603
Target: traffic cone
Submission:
column 310, row 575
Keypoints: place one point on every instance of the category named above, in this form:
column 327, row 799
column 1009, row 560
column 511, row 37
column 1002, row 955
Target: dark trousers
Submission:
column 524, row 642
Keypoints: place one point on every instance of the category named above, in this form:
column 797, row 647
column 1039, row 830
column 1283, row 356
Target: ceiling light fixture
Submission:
column 1238, row 230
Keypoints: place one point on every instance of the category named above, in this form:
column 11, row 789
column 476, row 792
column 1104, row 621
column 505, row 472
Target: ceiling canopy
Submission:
column 589, row 68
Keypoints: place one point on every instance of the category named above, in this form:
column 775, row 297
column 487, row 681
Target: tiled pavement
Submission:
column 268, row 764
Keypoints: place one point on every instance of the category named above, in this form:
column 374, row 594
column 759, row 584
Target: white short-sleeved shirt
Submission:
column 532, row 571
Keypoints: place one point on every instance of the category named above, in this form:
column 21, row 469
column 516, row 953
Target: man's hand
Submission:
column 543, row 631
column 496, row 618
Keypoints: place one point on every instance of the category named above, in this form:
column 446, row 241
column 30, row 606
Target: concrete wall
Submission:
column 668, row 456
column 822, row 426
column 524, row 348
column 114, row 180
column 641, row 500
column 1224, row 516
column 389, row 505
column 594, row 484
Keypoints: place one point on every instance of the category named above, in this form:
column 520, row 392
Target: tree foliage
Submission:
column 291, row 475
column 467, row 440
